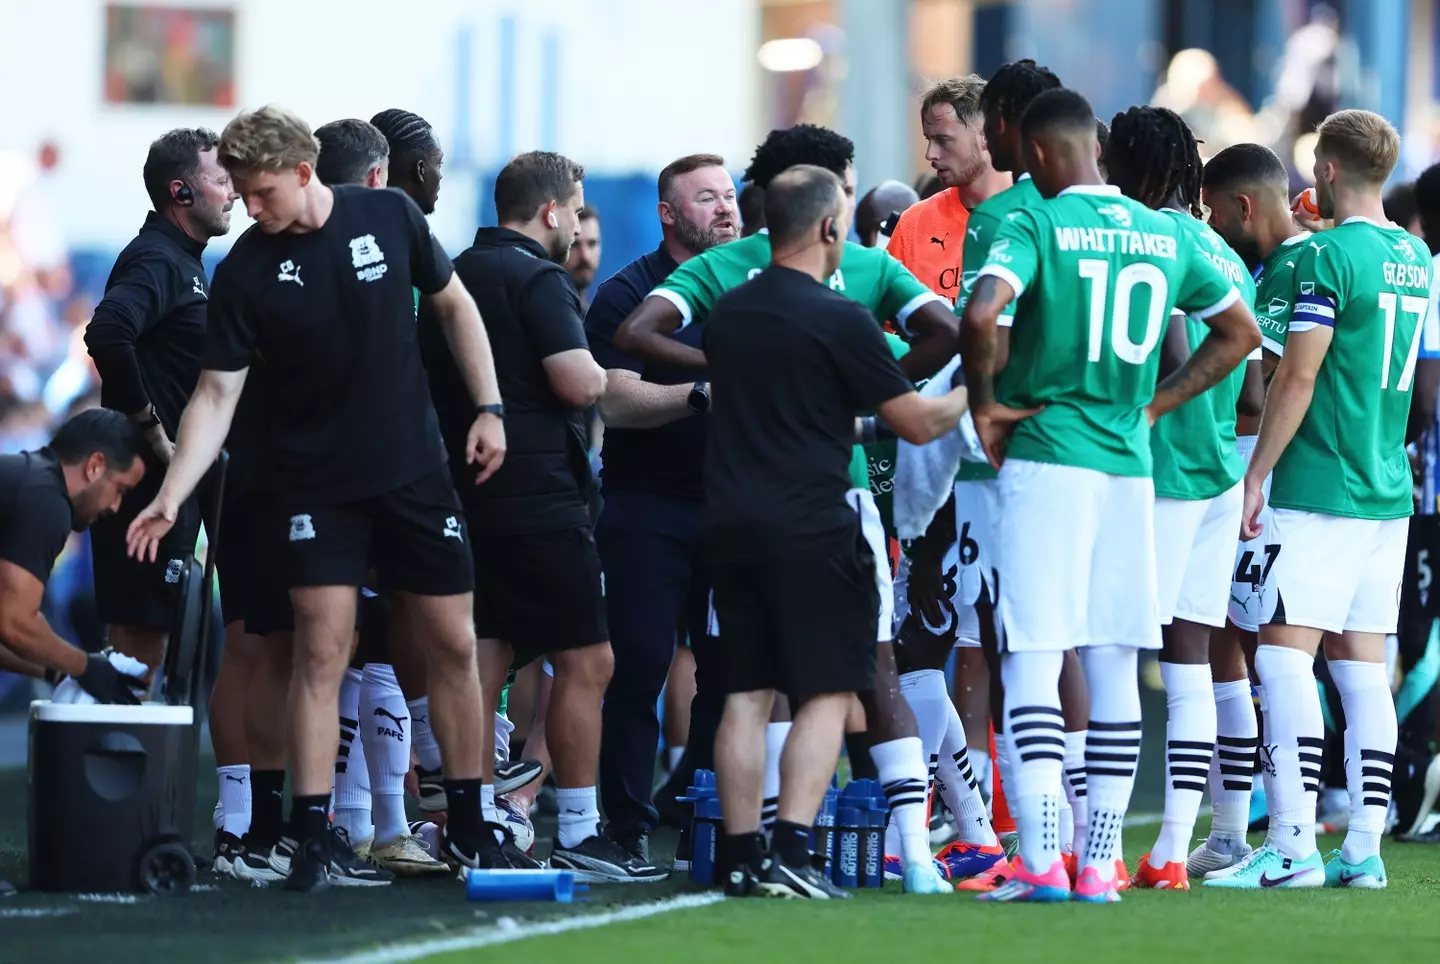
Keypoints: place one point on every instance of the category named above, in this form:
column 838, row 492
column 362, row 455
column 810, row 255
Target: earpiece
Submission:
column 184, row 196
column 552, row 220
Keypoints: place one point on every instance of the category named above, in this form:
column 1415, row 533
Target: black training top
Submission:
column 666, row 460
column 35, row 511
column 531, row 311
column 331, row 313
column 148, row 332
column 791, row 364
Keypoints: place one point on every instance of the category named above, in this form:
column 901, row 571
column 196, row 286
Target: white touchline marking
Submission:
column 506, row 930
column 1143, row 819
column 112, row 898
column 13, row 912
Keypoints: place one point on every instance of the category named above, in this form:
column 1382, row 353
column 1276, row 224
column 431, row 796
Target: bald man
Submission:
column 873, row 216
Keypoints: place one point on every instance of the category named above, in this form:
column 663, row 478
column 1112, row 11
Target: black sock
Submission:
column 309, row 817
column 464, row 818
column 744, row 849
column 791, row 843
column 857, row 747
column 267, row 807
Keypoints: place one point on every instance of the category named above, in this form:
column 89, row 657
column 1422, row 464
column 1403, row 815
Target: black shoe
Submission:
column 483, row 853
column 779, row 879
column 602, row 860
column 514, row 774
column 684, row 849
column 262, row 864
column 7, row 889
column 228, row 849
column 742, row 882
column 1416, row 788
column 349, row 869
column 310, row 866
column 514, row 857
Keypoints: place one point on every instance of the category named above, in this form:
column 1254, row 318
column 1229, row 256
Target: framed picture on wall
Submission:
column 169, row 55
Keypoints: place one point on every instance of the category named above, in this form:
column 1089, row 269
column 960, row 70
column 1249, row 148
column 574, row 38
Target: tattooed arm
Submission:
column 1233, row 336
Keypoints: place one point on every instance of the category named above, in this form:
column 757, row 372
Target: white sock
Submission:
column 980, row 764
column 235, row 798
column 1189, row 748
column 1267, row 772
column 1370, row 737
column 1294, row 745
column 1112, row 749
column 1003, row 764
column 955, row 779
column 422, row 738
column 1232, row 772
column 901, row 765
column 1035, row 742
column 1075, row 792
column 488, row 813
column 928, row 697
column 386, row 735
column 775, row 736
column 352, row 777
column 503, row 729
column 579, row 815
column 672, row 757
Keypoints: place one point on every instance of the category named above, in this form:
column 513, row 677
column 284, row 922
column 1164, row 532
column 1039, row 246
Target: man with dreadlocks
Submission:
column 415, row 155
column 1153, row 158
column 891, row 292
column 1068, row 429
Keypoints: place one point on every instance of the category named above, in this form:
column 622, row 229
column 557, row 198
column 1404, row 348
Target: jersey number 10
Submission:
column 1410, row 305
column 1097, row 272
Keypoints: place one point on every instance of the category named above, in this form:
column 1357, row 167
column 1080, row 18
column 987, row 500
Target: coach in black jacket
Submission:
column 146, row 337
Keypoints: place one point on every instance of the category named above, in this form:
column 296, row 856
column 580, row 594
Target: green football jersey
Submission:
column 1371, row 284
column 1275, row 293
column 1097, row 276
column 873, row 465
column 867, row 275
column 985, row 220
column 1194, row 446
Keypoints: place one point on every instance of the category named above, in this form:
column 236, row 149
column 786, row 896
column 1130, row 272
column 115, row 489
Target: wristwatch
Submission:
column 699, row 398
column 150, row 421
column 497, row 409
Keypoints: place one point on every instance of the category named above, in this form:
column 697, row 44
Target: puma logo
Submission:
column 940, row 241
column 231, row 776
column 399, row 731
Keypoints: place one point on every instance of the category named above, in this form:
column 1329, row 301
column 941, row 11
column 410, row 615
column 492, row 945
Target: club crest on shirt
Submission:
column 173, row 569
column 366, row 255
column 302, row 527
column 1116, row 213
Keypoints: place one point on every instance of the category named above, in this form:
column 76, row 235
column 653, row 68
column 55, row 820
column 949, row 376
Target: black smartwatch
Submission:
column 149, row 422
column 699, row 398
column 497, row 409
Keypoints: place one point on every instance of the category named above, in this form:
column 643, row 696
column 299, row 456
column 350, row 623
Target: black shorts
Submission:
column 252, row 580
column 802, row 623
column 415, row 534
column 143, row 594
column 542, row 592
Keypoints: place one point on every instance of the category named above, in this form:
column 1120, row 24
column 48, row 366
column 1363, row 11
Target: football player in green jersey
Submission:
column 1152, row 156
column 1096, row 276
column 879, row 282
column 1334, row 434
column 1246, row 188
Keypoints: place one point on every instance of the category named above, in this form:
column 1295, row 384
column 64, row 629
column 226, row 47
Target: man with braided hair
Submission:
column 1153, row 158
column 415, row 155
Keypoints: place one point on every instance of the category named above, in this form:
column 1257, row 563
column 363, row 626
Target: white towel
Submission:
column 925, row 474
column 69, row 690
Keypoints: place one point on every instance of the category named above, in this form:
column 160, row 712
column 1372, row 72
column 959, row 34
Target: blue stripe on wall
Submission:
column 506, row 89
column 463, row 149
column 550, row 91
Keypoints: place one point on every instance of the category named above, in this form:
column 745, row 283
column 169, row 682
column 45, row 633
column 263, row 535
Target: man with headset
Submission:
column 146, row 337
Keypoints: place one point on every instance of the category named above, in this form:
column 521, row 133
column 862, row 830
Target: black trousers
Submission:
column 650, row 549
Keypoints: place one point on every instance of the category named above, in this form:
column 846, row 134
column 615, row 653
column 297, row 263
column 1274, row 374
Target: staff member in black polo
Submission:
column 321, row 289
column 83, row 475
column 793, row 363
column 146, row 337
column 649, row 530
column 539, row 588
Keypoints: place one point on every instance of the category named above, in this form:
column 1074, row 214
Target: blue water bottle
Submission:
column 508, row 885
column 704, row 785
column 872, row 845
column 704, row 839
column 845, row 869
column 824, row 834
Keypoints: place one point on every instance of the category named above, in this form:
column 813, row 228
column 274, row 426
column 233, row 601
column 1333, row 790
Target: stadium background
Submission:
column 623, row 86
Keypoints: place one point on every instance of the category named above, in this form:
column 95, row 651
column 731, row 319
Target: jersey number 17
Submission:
column 1410, row 305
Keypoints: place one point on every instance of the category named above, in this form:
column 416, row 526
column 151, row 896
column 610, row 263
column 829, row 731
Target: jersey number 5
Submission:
column 1410, row 305
column 1097, row 272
